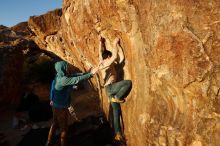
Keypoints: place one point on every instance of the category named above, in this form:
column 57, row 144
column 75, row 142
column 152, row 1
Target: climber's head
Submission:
column 110, row 34
column 106, row 54
column 63, row 68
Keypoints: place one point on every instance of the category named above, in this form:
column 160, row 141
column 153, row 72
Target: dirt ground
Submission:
column 88, row 131
column 12, row 136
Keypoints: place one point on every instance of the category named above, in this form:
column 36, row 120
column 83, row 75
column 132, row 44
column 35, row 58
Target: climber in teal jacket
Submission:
column 60, row 97
column 62, row 85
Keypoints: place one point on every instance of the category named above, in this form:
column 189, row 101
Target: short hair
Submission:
column 106, row 54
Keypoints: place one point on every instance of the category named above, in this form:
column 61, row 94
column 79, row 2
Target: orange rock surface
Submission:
column 172, row 56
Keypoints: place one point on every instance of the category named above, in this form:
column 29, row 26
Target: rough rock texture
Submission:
column 16, row 47
column 172, row 52
column 12, row 43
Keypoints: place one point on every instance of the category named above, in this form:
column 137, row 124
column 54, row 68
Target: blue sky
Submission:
column 15, row 11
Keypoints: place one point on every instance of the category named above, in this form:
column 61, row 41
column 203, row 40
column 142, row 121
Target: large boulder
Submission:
column 17, row 52
column 11, row 63
column 172, row 56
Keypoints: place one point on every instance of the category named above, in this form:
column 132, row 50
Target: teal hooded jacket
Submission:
column 61, row 86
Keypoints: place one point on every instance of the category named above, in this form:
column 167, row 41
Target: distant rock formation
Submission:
column 16, row 48
column 11, row 62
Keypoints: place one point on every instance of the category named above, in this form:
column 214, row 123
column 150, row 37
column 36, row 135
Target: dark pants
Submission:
column 118, row 90
column 60, row 120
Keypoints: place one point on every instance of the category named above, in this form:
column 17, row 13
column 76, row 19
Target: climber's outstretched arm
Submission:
column 121, row 54
column 100, row 50
column 107, row 62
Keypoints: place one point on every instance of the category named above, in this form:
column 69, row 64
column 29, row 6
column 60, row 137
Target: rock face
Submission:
column 12, row 43
column 172, row 56
column 16, row 49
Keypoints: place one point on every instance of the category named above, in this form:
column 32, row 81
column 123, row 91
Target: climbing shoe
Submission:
column 118, row 137
column 114, row 99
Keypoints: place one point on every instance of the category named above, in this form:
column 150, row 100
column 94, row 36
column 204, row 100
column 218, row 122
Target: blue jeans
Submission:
column 118, row 90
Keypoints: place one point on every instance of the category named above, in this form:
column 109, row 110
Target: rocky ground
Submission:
column 89, row 130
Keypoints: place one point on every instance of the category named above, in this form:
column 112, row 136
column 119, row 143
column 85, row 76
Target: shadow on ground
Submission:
column 92, row 131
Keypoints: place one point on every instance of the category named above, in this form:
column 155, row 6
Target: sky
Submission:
column 14, row 11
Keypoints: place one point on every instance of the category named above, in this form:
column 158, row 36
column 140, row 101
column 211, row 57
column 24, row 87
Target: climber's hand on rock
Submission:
column 95, row 70
column 89, row 70
column 100, row 38
column 116, row 41
column 100, row 63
